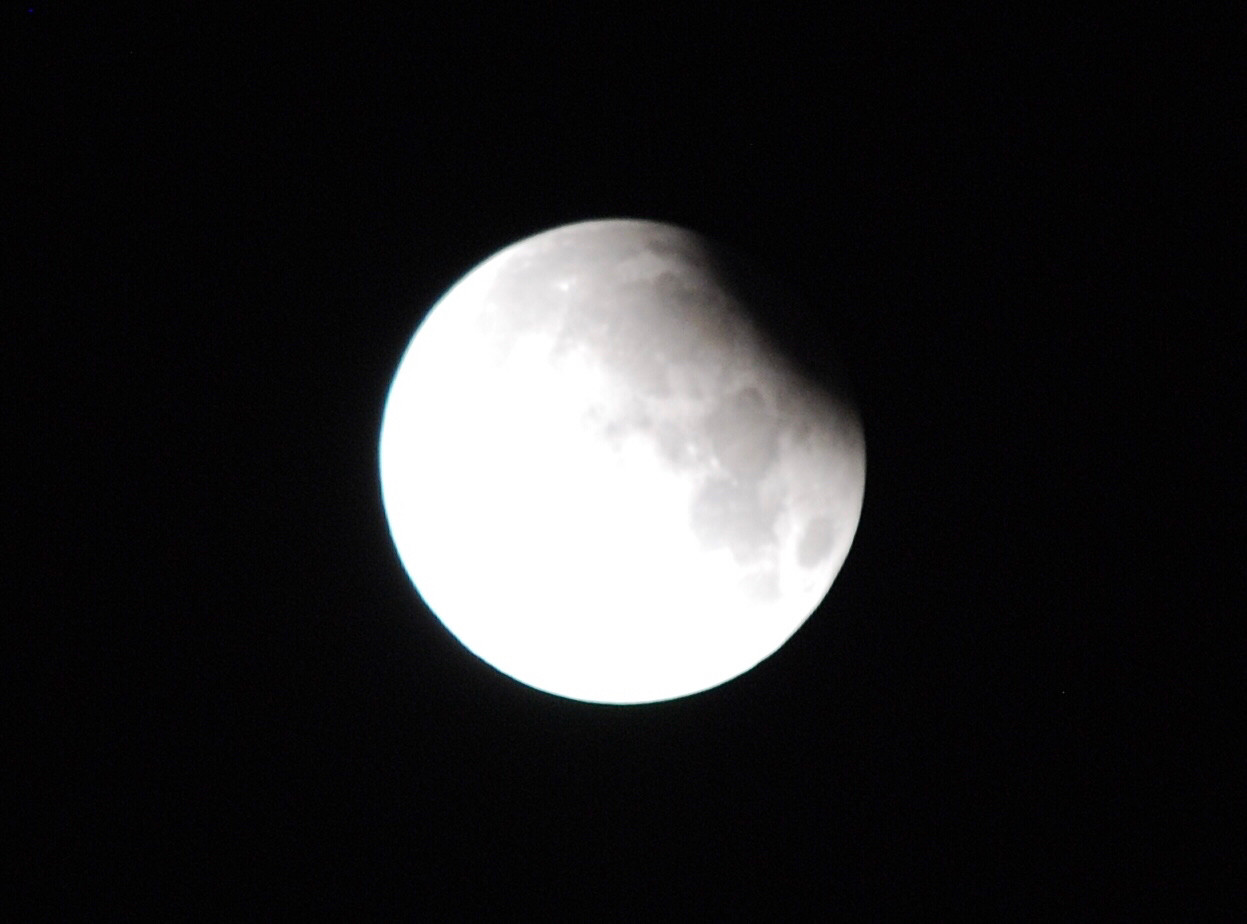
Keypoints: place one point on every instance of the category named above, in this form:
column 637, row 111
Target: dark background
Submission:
column 1012, row 699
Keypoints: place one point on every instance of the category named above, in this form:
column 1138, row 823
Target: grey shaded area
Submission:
column 743, row 435
column 816, row 542
column 666, row 317
column 733, row 515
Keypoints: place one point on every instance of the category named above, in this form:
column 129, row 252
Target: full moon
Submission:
column 601, row 475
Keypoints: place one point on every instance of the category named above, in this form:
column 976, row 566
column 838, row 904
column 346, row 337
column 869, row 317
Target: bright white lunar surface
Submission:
column 603, row 479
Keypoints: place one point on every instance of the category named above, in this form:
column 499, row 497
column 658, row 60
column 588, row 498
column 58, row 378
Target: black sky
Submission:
column 1001, row 706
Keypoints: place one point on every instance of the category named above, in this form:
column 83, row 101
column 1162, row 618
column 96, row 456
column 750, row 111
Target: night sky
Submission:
column 1009, row 702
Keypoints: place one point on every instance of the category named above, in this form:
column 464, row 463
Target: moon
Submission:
column 603, row 478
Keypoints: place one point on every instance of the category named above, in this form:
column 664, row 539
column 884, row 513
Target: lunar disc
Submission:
column 603, row 478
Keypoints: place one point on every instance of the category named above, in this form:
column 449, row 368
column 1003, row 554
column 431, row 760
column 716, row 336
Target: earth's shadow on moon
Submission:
column 785, row 317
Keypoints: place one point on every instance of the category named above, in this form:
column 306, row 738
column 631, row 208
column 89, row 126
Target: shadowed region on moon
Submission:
column 649, row 470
